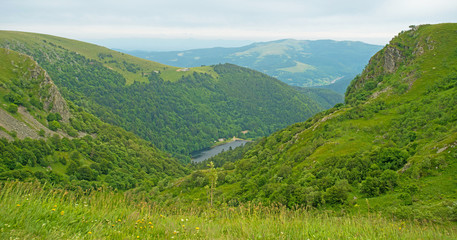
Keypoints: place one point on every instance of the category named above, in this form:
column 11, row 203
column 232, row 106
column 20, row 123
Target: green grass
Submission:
column 34, row 211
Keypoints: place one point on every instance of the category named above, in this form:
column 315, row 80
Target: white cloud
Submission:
column 372, row 21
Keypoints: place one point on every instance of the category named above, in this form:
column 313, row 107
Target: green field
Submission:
column 36, row 211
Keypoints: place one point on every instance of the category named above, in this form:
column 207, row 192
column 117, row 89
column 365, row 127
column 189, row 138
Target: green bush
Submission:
column 54, row 125
column 12, row 108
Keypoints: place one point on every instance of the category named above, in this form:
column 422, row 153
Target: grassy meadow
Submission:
column 36, row 211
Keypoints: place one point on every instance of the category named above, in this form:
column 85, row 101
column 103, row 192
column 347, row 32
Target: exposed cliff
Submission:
column 403, row 52
column 28, row 96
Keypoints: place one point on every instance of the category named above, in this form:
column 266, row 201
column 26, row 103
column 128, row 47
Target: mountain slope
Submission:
column 393, row 143
column 45, row 137
column 325, row 97
column 297, row 63
column 179, row 110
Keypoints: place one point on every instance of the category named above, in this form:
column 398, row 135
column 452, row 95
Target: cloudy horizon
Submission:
column 233, row 21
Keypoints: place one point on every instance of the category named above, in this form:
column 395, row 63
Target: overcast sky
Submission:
column 254, row 20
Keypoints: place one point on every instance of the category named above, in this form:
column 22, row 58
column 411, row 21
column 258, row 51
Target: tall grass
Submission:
column 35, row 211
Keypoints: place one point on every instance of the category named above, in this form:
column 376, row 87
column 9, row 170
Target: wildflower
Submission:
column 137, row 236
column 183, row 226
column 150, row 223
column 161, row 215
column 187, row 219
column 53, row 209
column 89, row 233
column 399, row 228
column 119, row 220
column 152, row 226
column 175, row 232
column 18, row 205
column 182, row 220
column 61, row 213
column 197, row 228
column 55, row 206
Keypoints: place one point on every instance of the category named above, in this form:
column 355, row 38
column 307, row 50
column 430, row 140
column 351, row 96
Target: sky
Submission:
column 135, row 24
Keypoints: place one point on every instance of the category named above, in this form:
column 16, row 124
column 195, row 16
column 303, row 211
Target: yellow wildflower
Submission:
column 150, row 223
column 55, row 206
column 61, row 213
column 152, row 226
column 53, row 209
column 89, row 232
column 197, row 228
column 18, row 205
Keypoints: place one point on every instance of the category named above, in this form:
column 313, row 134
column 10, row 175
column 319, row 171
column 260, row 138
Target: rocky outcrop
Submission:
column 53, row 101
column 50, row 95
column 392, row 59
column 23, row 124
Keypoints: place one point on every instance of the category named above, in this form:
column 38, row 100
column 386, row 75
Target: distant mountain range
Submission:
column 296, row 62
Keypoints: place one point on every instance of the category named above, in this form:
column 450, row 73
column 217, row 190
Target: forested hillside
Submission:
column 392, row 147
column 178, row 110
column 45, row 137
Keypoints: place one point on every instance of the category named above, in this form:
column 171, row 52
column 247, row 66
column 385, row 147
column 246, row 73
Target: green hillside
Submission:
column 295, row 62
column 178, row 110
column 45, row 137
column 390, row 148
column 325, row 97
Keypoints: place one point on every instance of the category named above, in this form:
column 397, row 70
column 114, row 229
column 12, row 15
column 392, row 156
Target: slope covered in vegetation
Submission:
column 55, row 141
column 391, row 147
column 179, row 110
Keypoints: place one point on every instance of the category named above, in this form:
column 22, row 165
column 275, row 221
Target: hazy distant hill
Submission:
column 298, row 63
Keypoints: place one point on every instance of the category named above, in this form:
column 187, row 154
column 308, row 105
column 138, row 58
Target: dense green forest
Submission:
column 177, row 114
column 390, row 148
column 91, row 154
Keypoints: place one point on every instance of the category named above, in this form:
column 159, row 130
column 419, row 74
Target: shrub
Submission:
column 370, row 187
column 12, row 108
column 54, row 125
